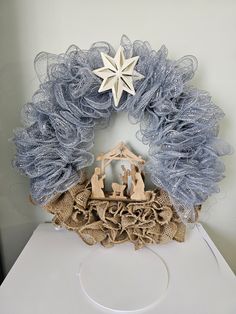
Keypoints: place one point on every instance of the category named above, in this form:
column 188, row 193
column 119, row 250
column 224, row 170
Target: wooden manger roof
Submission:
column 119, row 152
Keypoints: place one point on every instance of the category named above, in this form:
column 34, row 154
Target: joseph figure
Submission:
column 97, row 184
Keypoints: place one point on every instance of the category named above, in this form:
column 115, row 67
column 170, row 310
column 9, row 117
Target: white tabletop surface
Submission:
column 57, row 273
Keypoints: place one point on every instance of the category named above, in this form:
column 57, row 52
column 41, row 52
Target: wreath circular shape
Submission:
column 178, row 122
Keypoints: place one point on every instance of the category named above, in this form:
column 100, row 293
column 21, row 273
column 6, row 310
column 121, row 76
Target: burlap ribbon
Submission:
column 111, row 222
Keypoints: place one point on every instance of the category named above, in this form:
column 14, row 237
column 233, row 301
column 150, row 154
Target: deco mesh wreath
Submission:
column 79, row 91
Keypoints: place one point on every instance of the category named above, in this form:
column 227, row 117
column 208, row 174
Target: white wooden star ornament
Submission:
column 118, row 74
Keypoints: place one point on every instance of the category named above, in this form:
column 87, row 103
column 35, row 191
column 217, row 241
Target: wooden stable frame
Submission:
column 120, row 152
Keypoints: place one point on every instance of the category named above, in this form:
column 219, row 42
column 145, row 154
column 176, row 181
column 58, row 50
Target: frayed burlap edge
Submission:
column 111, row 222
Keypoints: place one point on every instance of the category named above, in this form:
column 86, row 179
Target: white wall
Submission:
column 203, row 28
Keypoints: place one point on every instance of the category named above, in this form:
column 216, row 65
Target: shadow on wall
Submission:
column 18, row 218
column 220, row 239
column 12, row 240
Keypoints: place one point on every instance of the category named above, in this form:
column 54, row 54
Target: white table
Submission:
column 57, row 273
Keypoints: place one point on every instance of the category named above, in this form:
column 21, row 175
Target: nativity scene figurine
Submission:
column 123, row 190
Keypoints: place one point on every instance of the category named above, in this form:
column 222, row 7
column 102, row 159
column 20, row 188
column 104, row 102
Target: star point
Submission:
column 118, row 74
